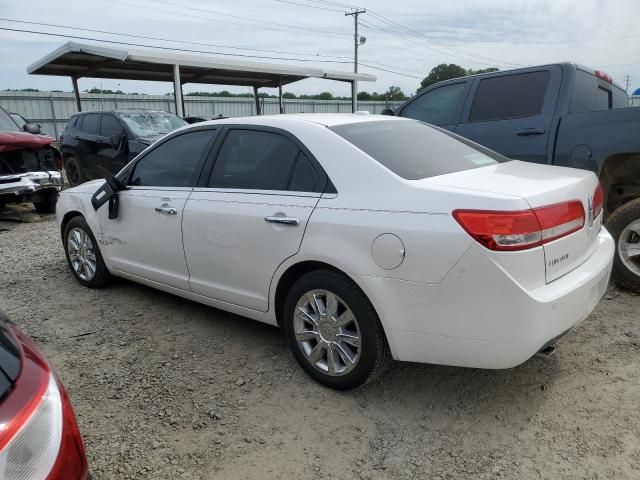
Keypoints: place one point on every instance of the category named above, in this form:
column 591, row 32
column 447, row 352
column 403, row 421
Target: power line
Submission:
column 165, row 48
column 69, row 27
column 144, row 37
column 115, row 42
column 227, row 22
column 310, row 6
column 243, row 17
column 425, row 38
column 482, row 60
column 391, row 71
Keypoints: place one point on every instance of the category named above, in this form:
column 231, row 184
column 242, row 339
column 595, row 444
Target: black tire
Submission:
column 48, row 202
column 374, row 354
column 616, row 224
column 102, row 277
column 75, row 173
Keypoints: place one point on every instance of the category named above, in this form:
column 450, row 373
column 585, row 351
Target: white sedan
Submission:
column 364, row 237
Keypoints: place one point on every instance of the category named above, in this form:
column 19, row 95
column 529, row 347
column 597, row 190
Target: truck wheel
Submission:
column 48, row 202
column 624, row 226
column 75, row 173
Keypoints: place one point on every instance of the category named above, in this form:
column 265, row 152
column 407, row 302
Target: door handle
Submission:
column 525, row 132
column 283, row 220
column 167, row 210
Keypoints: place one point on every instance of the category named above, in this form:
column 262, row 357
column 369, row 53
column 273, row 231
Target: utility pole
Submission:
column 357, row 41
column 627, row 79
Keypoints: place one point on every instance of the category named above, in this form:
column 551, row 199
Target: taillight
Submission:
column 598, row 201
column 33, row 450
column 520, row 230
column 38, row 434
column 604, row 76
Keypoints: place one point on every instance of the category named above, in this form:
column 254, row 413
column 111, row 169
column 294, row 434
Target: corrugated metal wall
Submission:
column 52, row 109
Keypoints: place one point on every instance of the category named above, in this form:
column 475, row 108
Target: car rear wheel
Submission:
column 624, row 226
column 75, row 173
column 334, row 331
column 83, row 255
column 47, row 203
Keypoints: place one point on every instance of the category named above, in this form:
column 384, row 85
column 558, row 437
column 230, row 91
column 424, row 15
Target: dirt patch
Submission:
column 166, row 388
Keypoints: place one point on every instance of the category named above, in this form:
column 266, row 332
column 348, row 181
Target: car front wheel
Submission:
column 624, row 226
column 75, row 173
column 83, row 255
column 334, row 331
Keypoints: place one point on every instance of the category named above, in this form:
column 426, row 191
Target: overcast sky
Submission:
column 408, row 37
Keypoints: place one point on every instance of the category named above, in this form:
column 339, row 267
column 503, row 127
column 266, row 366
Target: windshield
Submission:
column 6, row 123
column 151, row 124
column 414, row 150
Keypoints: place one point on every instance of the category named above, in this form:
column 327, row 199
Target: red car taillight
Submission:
column 520, row 230
column 38, row 434
column 598, row 201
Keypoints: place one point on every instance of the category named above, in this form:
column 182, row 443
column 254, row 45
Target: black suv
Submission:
column 107, row 140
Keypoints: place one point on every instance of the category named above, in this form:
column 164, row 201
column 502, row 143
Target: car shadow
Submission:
column 410, row 391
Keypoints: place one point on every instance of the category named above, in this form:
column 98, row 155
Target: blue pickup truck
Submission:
column 562, row 114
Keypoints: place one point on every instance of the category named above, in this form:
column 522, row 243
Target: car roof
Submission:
column 124, row 110
column 326, row 119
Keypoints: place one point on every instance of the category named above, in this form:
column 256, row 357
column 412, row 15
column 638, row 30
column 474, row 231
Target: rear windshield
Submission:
column 591, row 94
column 415, row 150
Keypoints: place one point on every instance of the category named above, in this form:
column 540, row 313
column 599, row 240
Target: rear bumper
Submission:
column 479, row 316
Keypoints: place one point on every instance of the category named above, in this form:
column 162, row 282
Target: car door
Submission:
column 439, row 106
column 248, row 214
column 146, row 239
column 87, row 135
column 512, row 113
column 111, row 156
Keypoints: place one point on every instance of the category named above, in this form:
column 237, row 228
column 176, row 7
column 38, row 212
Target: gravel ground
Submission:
column 165, row 388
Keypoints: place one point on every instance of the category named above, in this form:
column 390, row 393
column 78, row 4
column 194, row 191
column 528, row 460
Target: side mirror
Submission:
column 118, row 142
column 387, row 111
column 32, row 128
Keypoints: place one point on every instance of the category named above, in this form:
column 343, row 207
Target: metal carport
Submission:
column 78, row 60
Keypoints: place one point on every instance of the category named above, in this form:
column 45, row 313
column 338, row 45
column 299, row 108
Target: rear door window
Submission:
column 510, row 96
column 414, row 150
column 91, row 123
column 436, row 106
column 253, row 159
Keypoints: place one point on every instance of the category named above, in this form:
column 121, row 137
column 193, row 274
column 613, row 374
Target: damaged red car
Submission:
column 29, row 166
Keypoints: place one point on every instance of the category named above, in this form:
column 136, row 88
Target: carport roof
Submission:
column 83, row 60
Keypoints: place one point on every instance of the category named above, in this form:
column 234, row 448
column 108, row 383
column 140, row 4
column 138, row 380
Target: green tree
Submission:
column 324, row 96
column 364, row 96
column 288, row 95
column 443, row 72
column 395, row 93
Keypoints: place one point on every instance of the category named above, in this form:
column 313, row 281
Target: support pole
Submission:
column 280, row 97
column 255, row 95
column 76, row 93
column 53, row 116
column 354, row 96
column 177, row 91
column 356, row 44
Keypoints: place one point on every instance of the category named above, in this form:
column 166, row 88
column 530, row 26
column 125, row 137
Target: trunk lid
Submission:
column 540, row 186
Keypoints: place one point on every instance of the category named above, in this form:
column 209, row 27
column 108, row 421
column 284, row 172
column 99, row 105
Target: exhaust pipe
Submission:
column 546, row 352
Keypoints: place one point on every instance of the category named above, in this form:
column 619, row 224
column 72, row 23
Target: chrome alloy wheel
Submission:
column 629, row 246
column 82, row 254
column 327, row 332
